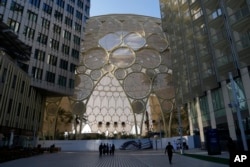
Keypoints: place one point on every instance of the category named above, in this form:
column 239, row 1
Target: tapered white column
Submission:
column 211, row 110
column 228, row 110
column 245, row 81
column 199, row 117
column 191, row 127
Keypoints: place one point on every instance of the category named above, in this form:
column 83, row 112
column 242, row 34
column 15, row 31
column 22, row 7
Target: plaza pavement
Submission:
column 142, row 158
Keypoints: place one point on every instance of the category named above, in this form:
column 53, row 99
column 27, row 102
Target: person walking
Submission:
column 113, row 149
column 100, row 149
column 169, row 149
column 231, row 149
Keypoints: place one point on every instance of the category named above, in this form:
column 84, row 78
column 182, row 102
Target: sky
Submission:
column 140, row 7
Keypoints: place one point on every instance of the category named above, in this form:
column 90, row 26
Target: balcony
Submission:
column 243, row 48
column 211, row 4
column 233, row 4
column 183, row 4
column 215, row 22
column 194, row 4
column 220, row 39
column 240, row 19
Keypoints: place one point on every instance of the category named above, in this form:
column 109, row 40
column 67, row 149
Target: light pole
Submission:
column 180, row 129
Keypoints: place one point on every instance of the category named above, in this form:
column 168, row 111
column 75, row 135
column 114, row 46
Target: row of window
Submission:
column 60, row 3
column 70, row 9
column 52, row 60
column 32, row 16
column 51, row 77
column 14, row 80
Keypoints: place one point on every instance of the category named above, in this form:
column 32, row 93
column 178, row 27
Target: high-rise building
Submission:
column 210, row 41
column 53, row 32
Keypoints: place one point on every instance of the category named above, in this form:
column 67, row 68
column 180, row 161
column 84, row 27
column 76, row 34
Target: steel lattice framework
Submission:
column 124, row 78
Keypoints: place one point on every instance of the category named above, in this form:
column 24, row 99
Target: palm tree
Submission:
column 65, row 116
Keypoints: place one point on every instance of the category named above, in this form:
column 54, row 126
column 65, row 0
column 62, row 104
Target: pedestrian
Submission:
column 113, row 149
column 175, row 145
column 100, row 149
column 169, row 149
column 107, row 149
column 231, row 149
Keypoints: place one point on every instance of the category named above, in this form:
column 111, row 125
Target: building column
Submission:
column 211, row 110
column 199, row 119
column 228, row 110
column 245, row 81
column 191, row 127
column 11, row 138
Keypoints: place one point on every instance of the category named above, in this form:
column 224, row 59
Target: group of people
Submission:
column 108, row 149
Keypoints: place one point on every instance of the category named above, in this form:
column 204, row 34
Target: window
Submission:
column 63, row 64
column 68, row 21
column 75, row 53
column 57, row 29
column 10, row 105
column 16, row 7
column 52, row 60
column 65, row 49
column 71, row 83
column 14, row 82
column 70, row 9
column 14, row 25
column 216, row 13
column 47, row 8
column 60, row 3
column 19, row 109
column 66, row 35
column 77, row 27
column 29, row 32
column 58, row 15
column 45, row 23
column 62, row 81
column 42, row 38
column 22, row 87
column 78, row 15
column 39, row 55
column 27, row 112
column 32, row 16
column 77, row 40
column 72, row 67
column 4, row 75
column 50, row 77
column 54, row 44
column 87, row 9
column 3, row 2
column 37, row 73
column 80, row 4
column 35, row 3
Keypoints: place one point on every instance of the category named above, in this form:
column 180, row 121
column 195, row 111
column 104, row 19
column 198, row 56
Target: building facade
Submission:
column 210, row 42
column 21, row 105
column 53, row 32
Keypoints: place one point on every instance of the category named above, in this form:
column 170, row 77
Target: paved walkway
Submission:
column 147, row 158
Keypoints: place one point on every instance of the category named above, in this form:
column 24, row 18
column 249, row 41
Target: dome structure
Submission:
column 123, row 82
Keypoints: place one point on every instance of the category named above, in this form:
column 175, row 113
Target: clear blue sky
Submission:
column 140, row 7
